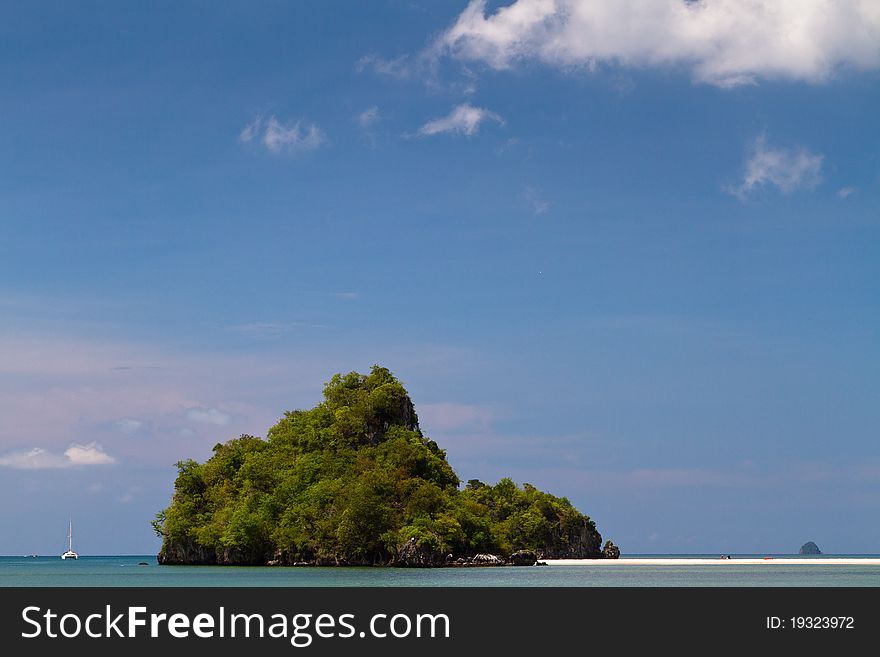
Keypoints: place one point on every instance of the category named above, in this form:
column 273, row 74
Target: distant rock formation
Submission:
column 523, row 558
column 610, row 551
column 579, row 540
column 809, row 548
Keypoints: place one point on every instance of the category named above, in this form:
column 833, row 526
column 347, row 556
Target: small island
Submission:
column 354, row 482
column 810, row 548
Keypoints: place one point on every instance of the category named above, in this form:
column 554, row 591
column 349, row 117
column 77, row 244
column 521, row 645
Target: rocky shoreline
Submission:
column 409, row 556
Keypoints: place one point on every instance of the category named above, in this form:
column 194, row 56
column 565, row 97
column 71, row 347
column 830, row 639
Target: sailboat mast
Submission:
column 70, row 535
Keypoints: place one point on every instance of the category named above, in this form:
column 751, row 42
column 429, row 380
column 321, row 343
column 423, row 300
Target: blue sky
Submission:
column 626, row 252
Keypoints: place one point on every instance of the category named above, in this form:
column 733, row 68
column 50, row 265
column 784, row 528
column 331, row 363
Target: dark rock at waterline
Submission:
column 809, row 548
column 523, row 558
column 413, row 555
column 186, row 552
column 486, row 560
column 410, row 555
column 190, row 553
column 581, row 541
column 610, row 551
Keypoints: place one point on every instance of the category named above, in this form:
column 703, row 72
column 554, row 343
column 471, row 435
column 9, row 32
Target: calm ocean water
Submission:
column 126, row 571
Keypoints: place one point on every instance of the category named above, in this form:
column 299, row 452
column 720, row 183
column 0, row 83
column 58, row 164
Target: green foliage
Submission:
column 352, row 479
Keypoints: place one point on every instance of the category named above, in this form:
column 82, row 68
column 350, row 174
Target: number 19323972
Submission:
column 810, row 623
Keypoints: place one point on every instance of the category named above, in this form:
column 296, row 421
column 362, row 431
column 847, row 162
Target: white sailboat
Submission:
column 70, row 554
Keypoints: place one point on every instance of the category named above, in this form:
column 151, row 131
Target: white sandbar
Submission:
column 705, row 561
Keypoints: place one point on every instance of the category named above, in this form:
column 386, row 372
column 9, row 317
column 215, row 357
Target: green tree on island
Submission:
column 354, row 481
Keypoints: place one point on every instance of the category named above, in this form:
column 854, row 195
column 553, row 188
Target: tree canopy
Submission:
column 351, row 481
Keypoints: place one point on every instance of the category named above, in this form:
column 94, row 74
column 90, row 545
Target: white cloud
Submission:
column 787, row 169
column 128, row 425
column 464, row 119
column 34, row 459
column 278, row 137
column 846, row 192
column 41, row 459
column 208, row 416
column 722, row 42
column 90, row 454
column 369, row 117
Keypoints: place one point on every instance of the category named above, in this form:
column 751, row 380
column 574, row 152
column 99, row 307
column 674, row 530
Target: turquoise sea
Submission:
column 126, row 571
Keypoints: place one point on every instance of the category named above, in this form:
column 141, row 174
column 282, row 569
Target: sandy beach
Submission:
column 717, row 561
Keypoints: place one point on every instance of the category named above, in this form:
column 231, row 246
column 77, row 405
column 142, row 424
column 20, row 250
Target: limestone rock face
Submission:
column 412, row 555
column 178, row 553
column 175, row 553
column 396, row 410
column 610, row 551
column 235, row 557
column 523, row 558
column 582, row 541
column 809, row 548
column 486, row 560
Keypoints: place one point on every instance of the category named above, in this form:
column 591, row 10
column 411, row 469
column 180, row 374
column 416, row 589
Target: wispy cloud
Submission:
column 421, row 66
column 447, row 416
column 208, row 416
column 63, row 388
column 129, row 495
column 397, row 67
column 277, row 137
column 787, row 169
column 35, row 356
column 722, row 42
column 42, row 459
column 464, row 119
column 367, row 120
column 128, row 425
column 369, row 117
column 676, row 478
column 271, row 330
column 534, row 198
column 846, row 192
column 346, row 295
column 738, row 476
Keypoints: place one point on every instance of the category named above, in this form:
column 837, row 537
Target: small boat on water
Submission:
column 70, row 554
